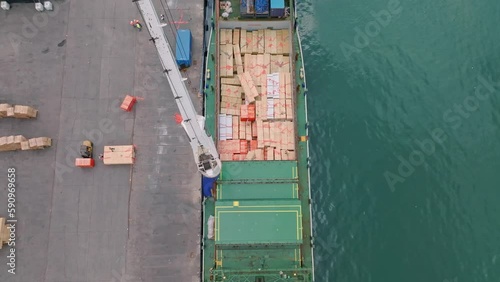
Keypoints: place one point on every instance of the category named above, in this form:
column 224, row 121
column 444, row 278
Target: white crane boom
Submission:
column 203, row 146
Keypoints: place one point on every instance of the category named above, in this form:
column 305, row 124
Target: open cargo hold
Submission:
column 257, row 221
column 183, row 46
column 256, row 107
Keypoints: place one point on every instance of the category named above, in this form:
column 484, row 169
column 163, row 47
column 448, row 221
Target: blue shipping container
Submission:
column 262, row 6
column 277, row 8
column 183, row 46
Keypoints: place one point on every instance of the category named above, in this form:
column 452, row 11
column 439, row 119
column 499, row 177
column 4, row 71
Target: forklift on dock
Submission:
column 86, row 149
column 86, row 155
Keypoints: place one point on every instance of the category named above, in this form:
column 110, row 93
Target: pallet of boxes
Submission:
column 17, row 111
column 256, row 96
column 19, row 142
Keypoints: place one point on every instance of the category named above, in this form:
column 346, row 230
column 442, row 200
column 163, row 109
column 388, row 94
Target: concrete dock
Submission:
column 109, row 223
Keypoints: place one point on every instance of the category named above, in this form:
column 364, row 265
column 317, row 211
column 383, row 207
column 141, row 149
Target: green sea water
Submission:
column 404, row 109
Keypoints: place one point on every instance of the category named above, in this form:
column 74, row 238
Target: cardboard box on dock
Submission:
column 33, row 144
column 25, row 145
column 10, row 112
column 3, row 109
column 3, row 144
column 24, row 112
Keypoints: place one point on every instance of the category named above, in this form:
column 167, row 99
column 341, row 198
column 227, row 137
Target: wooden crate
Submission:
column 121, row 154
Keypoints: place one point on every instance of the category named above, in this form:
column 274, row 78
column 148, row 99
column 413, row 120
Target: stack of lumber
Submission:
column 256, row 100
column 17, row 111
column 19, row 142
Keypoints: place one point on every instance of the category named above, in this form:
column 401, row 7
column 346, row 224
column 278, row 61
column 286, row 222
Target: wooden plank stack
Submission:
column 256, row 117
column 17, row 111
column 19, row 142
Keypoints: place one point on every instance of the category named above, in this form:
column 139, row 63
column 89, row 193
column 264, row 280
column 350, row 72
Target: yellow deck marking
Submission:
column 267, row 206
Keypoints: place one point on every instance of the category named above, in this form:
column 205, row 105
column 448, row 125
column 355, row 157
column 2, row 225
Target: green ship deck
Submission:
column 239, row 223
column 262, row 208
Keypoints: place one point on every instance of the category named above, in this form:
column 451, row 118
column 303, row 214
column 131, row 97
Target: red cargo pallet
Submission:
column 128, row 103
column 82, row 162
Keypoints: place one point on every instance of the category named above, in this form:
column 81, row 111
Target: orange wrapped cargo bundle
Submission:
column 82, row 162
column 253, row 145
column 244, row 113
column 128, row 103
column 243, row 147
column 251, row 112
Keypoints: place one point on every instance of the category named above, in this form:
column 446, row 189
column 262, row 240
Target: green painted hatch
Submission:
column 258, row 222
column 257, row 191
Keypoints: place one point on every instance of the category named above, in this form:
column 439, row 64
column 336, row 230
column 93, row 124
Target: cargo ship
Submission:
column 257, row 213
